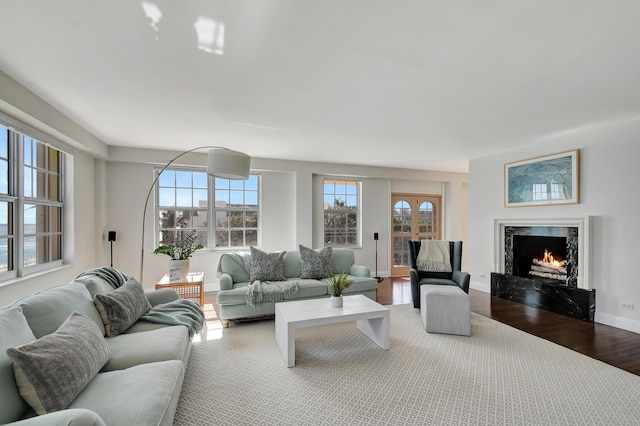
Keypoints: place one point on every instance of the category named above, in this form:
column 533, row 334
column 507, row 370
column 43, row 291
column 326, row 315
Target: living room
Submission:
column 566, row 82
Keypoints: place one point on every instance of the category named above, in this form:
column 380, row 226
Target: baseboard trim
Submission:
column 486, row 288
column 618, row 322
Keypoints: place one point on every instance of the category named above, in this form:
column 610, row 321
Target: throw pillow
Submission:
column 267, row 266
column 121, row 308
column 316, row 264
column 14, row 331
column 53, row 370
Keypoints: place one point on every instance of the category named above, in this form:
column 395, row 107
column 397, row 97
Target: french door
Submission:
column 413, row 217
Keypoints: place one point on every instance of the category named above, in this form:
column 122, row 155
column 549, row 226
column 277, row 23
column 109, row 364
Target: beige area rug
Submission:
column 498, row 376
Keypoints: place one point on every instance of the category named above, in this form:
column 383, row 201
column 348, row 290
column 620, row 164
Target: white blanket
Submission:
column 434, row 256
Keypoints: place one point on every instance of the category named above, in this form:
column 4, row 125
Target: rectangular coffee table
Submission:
column 372, row 319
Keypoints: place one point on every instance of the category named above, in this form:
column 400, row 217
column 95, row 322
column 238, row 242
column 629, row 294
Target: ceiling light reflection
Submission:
column 210, row 35
column 152, row 11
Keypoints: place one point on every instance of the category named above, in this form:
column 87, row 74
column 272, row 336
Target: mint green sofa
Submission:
column 234, row 279
column 139, row 385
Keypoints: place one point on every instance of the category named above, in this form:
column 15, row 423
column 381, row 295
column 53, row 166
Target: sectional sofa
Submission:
column 235, row 271
column 132, row 378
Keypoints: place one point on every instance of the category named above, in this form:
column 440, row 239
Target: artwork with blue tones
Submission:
column 552, row 179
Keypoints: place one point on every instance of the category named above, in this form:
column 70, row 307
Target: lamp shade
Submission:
column 228, row 164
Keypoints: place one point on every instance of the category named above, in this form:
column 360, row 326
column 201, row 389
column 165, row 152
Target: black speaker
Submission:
column 112, row 236
column 375, row 236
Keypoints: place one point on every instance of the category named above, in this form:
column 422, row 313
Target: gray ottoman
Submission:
column 445, row 309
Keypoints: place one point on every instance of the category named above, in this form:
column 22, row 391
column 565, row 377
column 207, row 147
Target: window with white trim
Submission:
column 341, row 212
column 183, row 204
column 237, row 211
column 31, row 204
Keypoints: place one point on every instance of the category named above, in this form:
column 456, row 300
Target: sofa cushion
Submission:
column 53, row 370
column 14, row 331
column 361, row 284
column 341, row 260
column 315, row 264
column 47, row 310
column 292, row 264
column 309, row 289
column 146, row 394
column 121, row 308
column 95, row 285
column 128, row 350
column 267, row 266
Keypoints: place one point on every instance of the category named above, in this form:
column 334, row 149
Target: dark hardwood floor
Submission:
column 611, row 345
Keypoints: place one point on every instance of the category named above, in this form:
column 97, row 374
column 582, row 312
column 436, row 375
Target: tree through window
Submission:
column 341, row 212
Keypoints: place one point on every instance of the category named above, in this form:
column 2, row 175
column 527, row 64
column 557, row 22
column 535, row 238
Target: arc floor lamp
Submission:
column 221, row 162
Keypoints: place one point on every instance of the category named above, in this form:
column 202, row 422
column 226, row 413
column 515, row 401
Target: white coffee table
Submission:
column 372, row 319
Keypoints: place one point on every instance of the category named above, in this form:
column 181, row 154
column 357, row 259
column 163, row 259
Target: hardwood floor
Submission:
column 611, row 345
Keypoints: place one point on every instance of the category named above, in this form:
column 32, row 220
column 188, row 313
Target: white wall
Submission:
column 291, row 208
column 609, row 175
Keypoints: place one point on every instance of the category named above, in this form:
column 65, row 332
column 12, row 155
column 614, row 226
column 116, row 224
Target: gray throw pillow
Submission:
column 53, row 370
column 121, row 308
column 315, row 264
column 267, row 266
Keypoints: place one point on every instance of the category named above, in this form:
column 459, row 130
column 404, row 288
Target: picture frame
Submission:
column 547, row 180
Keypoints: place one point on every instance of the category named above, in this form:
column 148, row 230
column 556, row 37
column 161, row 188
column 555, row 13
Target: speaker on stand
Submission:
column 375, row 237
column 111, row 237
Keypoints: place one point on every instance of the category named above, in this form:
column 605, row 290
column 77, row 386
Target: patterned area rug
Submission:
column 498, row 376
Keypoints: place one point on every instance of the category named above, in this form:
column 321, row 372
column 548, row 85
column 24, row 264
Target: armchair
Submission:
column 418, row 278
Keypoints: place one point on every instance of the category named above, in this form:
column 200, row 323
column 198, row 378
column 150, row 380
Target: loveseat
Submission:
column 132, row 378
column 235, row 273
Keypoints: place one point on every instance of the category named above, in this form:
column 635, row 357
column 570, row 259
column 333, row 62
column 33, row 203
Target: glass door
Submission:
column 414, row 217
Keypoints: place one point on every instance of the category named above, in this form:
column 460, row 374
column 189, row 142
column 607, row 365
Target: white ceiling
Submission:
column 426, row 84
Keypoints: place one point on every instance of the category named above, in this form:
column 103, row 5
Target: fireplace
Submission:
column 544, row 263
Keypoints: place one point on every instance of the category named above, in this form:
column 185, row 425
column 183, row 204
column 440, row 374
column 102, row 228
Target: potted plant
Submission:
column 337, row 284
column 179, row 250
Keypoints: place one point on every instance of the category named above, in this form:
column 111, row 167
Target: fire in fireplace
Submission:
column 542, row 257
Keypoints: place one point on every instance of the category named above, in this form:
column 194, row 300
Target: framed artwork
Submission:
column 552, row 179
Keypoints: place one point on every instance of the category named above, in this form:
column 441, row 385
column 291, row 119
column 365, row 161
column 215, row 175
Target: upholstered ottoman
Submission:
column 445, row 309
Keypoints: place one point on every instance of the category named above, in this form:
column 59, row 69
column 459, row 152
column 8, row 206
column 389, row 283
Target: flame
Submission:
column 548, row 258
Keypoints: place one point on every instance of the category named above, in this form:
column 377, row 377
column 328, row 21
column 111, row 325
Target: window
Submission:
column 183, row 205
column 341, row 212
column 31, row 202
column 236, row 210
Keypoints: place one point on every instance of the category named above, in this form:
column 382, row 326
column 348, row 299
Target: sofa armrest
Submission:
column 360, row 271
column 226, row 281
column 462, row 279
column 164, row 295
column 414, row 276
column 72, row 416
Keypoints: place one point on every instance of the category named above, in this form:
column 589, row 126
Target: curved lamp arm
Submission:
column 211, row 165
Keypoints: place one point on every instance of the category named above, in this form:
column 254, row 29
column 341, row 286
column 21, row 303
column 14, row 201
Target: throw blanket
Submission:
column 434, row 256
column 243, row 259
column 111, row 275
column 177, row 312
column 269, row 291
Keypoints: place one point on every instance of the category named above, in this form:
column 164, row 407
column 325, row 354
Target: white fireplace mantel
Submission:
column 584, row 230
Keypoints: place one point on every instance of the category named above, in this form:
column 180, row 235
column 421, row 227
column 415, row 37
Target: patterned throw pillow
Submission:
column 121, row 308
column 267, row 266
column 53, row 370
column 316, row 264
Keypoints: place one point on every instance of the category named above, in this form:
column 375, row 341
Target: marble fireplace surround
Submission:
column 581, row 275
column 572, row 298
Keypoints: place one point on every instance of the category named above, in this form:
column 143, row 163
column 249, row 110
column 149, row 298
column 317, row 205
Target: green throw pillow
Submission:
column 315, row 264
column 121, row 308
column 53, row 370
column 267, row 266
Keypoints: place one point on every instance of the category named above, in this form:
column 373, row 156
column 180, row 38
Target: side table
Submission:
column 191, row 288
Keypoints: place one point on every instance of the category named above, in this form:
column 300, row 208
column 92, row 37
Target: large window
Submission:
column 31, row 204
column 184, row 206
column 236, row 210
column 341, row 212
